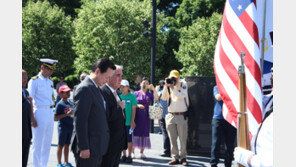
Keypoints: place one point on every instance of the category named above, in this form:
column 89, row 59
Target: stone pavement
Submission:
column 153, row 154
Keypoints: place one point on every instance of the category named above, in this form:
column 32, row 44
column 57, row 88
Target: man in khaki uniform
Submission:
column 176, row 93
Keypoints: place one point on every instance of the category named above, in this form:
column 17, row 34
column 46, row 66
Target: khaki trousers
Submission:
column 177, row 126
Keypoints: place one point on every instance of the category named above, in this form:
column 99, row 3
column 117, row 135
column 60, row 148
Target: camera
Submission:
column 170, row 81
column 147, row 86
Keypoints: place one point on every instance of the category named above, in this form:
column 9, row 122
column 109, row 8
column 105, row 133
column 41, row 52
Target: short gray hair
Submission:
column 82, row 76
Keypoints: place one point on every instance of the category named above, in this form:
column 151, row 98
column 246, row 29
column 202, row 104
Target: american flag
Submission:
column 239, row 32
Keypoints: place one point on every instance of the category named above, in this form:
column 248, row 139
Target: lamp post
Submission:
column 153, row 51
column 153, row 46
column 153, row 41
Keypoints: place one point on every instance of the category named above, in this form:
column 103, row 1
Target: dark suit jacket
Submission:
column 116, row 122
column 90, row 121
column 26, row 117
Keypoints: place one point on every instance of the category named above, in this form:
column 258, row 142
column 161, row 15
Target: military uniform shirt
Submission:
column 41, row 90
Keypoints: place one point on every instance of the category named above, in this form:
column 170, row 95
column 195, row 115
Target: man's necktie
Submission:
column 116, row 96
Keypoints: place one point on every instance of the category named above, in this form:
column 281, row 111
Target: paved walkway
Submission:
column 153, row 155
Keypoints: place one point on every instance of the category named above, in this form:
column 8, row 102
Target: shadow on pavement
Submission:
column 146, row 164
column 156, row 160
column 199, row 159
column 163, row 162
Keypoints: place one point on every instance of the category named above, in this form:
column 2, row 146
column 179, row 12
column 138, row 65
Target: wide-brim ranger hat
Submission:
column 51, row 64
column 174, row 73
column 64, row 88
column 124, row 83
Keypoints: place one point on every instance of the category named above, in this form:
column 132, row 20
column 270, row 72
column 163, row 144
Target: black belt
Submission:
column 177, row 113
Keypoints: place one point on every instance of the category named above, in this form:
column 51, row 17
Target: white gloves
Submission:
column 242, row 155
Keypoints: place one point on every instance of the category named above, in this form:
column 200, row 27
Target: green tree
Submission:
column 46, row 33
column 169, row 7
column 113, row 29
column 69, row 6
column 197, row 48
column 190, row 10
column 171, row 62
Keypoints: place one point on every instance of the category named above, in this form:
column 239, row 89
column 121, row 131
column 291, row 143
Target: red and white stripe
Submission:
column 236, row 35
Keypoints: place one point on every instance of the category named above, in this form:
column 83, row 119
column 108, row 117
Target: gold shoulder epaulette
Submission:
column 35, row 77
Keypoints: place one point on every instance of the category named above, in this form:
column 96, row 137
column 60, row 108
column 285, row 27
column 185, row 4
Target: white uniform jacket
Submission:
column 41, row 90
column 263, row 148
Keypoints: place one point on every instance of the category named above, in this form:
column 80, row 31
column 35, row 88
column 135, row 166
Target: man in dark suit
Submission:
column 91, row 132
column 116, row 120
column 27, row 120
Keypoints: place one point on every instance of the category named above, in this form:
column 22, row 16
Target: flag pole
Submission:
column 242, row 123
column 263, row 40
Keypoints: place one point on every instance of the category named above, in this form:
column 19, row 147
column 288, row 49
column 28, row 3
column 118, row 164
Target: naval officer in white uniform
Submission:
column 261, row 154
column 41, row 90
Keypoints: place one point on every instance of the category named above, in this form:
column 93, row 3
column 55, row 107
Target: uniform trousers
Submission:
column 177, row 126
column 42, row 136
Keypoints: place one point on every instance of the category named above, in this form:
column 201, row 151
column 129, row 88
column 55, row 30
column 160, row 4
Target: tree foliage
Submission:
column 169, row 7
column 190, row 10
column 69, row 6
column 113, row 29
column 168, row 61
column 46, row 33
column 196, row 51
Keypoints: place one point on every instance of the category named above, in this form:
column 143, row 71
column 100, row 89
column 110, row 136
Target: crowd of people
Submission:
column 108, row 120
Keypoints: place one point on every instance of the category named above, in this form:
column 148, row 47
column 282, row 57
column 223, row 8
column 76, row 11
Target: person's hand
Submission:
column 121, row 104
column 166, row 84
column 242, row 155
column 133, row 124
column 152, row 87
column 30, row 99
column 169, row 85
column 218, row 97
column 70, row 112
column 84, row 154
column 33, row 122
column 140, row 106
